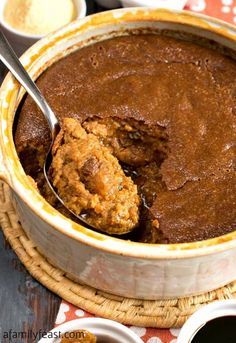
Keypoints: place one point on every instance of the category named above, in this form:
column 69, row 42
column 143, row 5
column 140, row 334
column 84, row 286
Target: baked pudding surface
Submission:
column 165, row 109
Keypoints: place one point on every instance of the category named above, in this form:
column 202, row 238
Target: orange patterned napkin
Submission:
column 222, row 9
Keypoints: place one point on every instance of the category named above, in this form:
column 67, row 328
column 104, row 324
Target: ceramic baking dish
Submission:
column 120, row 267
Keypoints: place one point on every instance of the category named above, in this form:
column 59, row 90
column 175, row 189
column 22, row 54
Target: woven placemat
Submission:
column 152, row 313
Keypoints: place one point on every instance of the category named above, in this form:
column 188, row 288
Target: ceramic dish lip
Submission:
column 88, row 237
column 34, row 37
column 95, row 326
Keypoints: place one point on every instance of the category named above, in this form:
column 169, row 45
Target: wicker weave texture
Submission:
column 153, row 313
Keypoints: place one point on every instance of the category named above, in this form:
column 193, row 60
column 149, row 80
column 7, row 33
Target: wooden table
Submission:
column 25, row 305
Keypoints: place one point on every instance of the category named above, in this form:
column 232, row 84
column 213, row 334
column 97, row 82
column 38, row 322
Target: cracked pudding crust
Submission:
column 165, row 109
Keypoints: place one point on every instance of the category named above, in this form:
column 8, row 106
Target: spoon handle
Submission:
column 12, row 62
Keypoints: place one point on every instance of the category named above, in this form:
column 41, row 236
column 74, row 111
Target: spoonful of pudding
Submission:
column 82, row 173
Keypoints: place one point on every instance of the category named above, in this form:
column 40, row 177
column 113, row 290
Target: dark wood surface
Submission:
column 25, row 305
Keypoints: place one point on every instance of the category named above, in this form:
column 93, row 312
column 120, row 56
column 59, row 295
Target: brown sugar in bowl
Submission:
column 138, row 270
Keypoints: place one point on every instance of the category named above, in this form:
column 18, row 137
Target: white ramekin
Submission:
column 135, row 270
column 168, row 4
column 21, row 41
column 212, row 311
column 103, row 329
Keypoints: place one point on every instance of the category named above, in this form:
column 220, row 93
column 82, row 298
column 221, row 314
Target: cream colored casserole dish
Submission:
column 120, row 267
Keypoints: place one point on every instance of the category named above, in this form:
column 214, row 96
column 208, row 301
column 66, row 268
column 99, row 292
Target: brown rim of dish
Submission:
column 20, row 182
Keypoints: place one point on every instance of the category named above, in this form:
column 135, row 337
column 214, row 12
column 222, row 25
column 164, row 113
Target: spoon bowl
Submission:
column 12, row 62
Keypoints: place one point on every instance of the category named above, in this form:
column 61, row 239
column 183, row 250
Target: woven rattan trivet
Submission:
column 154, row 313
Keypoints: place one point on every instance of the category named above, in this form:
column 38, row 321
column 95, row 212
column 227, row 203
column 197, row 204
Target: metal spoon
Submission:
column 12, row 62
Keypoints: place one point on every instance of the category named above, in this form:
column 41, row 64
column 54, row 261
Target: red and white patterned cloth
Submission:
column 222, row 9
column 69, row 312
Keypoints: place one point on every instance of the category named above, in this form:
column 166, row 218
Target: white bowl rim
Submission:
column 128, row 248
column 86, row 323
column 81, row 14
column 217, row 309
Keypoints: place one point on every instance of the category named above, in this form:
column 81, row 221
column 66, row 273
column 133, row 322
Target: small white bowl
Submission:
column 105, row 330
column 212, row 311
column 168, row 4
column 21, row 41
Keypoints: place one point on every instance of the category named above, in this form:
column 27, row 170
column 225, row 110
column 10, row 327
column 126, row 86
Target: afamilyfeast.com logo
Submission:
column 21, row 336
